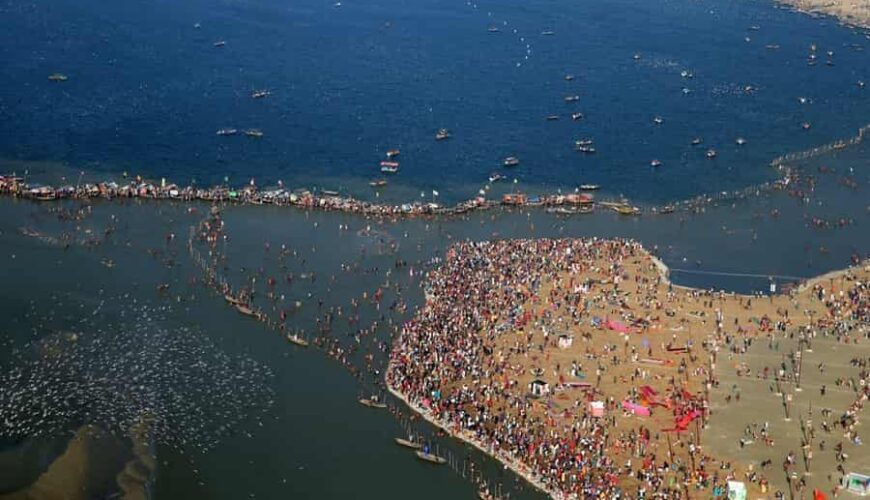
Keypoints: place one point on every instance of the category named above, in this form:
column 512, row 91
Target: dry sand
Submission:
column 855, row 12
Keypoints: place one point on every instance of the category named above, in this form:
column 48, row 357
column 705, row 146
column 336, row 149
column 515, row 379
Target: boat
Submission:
column 569, row 77
column 511, row 161
column 655, row 163
column 57, row 77
column 583, row 142
column 245, row 309
column 711, row 153
column 667, row 209
column 552, row 118
column 389, row 167
column 393, row 153
column 296, row 339
column 373, row 402
column 329, row 192
column 408, row 443
column 431, row 458
column 219, row 43
column 227, row 131
column 48, row 195
column 232, row 300
column 259, row 94
column 576, row 116
column 572, row 98
column 740, row 141
column 626, row 210
column 442, row 134
column 586, row 149
column 587, row 209
column 658, row 120
column 636, row 57
column 254, row 132
column 493, row 29
column 806, row 125
column 495, row 177
column 589, row 187
column 547, row 33
column 696, row 141
column 378, row 183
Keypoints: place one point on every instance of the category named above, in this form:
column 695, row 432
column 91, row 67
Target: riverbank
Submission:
column 553, row 351
column 851, row 12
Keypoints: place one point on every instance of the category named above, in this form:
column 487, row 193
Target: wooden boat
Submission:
column 431, row 458
column 296, row 339
column 245, row 309
column 372, row 403
column 626, row 210
column 232, row 300
column 407, row 443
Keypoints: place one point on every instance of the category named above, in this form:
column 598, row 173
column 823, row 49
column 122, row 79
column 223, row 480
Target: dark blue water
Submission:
column 147, row 90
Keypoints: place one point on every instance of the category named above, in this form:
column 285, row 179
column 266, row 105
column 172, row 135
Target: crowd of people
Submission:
column 497, row 330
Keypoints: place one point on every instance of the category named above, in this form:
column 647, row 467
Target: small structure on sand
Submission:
column 539, row 388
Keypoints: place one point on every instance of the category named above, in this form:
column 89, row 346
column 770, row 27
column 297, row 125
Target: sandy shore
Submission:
column 659, row 320
column 854, row 12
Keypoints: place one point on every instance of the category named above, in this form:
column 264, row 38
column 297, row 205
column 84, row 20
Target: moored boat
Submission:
column 245, row 309
column 373, row 402
column 227, row 131
column 378, row 183
column 431, row 458
column 408, row 443
column 296, row 339
column 393, row 153
column 442, row 134
column 589, row 187
column 626, row 210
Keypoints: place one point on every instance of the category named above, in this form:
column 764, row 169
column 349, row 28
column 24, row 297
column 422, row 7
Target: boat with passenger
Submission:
column 389, row 167
column 297, row 339
column 373, row 402
column 495, row 177
column 259, row 94
column 431, row 458
column 408, row 443
column 576, row 116
column 511, row 161
column 442, row 134
column 711, row 153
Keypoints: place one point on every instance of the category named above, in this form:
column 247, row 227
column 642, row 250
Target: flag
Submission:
column 434, row 193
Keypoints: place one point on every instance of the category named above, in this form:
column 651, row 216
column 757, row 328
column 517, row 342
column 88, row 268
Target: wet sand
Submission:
column 82, row 472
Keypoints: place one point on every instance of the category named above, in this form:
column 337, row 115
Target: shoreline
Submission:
column 513, row 465
column 844, row 16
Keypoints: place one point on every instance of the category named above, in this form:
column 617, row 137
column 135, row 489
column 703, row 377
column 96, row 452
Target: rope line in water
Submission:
column 737, row 275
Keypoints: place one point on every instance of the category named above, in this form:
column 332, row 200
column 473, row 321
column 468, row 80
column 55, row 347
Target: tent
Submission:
column 858, row 484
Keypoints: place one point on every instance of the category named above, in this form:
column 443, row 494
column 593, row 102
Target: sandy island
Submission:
column 579, row 365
